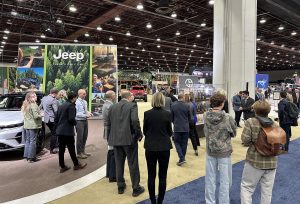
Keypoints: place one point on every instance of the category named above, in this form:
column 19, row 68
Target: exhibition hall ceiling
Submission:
column 150, row 34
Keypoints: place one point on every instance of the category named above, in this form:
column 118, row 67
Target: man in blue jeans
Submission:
column 181, row 119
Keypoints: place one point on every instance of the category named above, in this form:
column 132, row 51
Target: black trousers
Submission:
column 53, row 140
column 162, row 157
column 69, row 142
column 237, row 118
column 131, row 152
column 111, row 165
column 194, row 137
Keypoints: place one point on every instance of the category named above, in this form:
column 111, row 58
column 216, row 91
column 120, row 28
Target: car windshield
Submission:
column 11, row 102
column 137, row 88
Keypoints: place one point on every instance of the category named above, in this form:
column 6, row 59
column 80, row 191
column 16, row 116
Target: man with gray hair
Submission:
column 49, row 105
column 110, row 97
column 124, row 131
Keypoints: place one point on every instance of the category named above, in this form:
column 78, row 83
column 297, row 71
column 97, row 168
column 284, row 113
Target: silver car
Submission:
column 11, row 123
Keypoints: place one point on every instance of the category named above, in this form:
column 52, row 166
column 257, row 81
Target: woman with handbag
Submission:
column 32, row 125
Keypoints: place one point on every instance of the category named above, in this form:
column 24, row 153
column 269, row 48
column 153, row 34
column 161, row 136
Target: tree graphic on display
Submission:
column 68, row 74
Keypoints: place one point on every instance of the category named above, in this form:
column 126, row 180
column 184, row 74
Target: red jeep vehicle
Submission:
column 139, row 92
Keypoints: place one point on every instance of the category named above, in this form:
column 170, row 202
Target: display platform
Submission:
column 20, row 179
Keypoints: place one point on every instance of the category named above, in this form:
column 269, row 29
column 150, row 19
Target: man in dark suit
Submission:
column 246, row 105
column 181, row 119
column 124, row 131
column 296, row 97
column 64, row 124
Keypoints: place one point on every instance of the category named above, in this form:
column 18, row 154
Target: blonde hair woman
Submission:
column 61, row 97
column 32, row 124
column 157, row 130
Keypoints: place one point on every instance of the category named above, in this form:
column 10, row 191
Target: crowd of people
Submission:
column 169, row 119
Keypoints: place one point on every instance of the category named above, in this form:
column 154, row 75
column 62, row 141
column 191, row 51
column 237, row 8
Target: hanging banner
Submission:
column 187, row 82
column 71, row 67
column 262, row 81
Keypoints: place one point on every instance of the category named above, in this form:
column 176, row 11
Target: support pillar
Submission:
column 234, row 62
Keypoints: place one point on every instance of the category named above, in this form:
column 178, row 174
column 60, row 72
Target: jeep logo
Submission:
column 72, row 55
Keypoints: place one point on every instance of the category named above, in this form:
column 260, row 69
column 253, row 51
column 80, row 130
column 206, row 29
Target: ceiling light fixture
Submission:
column 87, row 34
column 194, row 45
column 158, row 39
column 211, row 2
column 6, row 31
column 3, row 42
column 43, row 36
column 140, row 6
column 198, row 35
column 37, row 41
column 143, row 50
column 269, row 51
column 272, row 43
column 173, row 15
column 110, row 38
column 99, row 28
column 293, row 48
column 158, row 46
column 101, row 43
column 203, row 24
column 72, row 8
column 117, row 19
column 59, row 21
column 177, row 33
column 294, row 33
column 282, row 45
column 139, row 43
column 149, row 26
column 75, row 41
column 262, row 21
column 14, row 12
column 280, row 27
column 128, row 33
column 258, row 49
column 5, row 37
column 258, row 39
column 177, row 48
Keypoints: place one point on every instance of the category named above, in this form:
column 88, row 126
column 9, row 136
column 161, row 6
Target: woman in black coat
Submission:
column 157, row 130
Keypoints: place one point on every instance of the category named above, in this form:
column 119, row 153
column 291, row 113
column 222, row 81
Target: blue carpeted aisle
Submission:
column 286, row 188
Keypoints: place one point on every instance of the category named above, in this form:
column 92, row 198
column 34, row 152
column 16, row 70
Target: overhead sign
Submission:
column 187, row 82
column 262, row 81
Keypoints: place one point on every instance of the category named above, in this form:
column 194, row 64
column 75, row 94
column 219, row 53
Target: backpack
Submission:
column 292, row 110
column 270, row 141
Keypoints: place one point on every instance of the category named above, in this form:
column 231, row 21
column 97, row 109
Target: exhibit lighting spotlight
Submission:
column 5, row 37
column 72, row 8
column 173, row 15
column 148, row 25
column 87, row 34
column 43, row 36
column 140, row 6
column 280, row 27
column 293, row 33
column 128, row 33
column 99, row 28
column 111, row 38
column 211, row 2
column 6, row 31
column 198, row 35
column 262, row 21
column 37, row 41
column 203, row 24
column 117, row 18
column 14, row 12
column 177, row 33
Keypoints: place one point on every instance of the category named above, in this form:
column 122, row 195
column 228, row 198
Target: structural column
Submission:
column 234, row 62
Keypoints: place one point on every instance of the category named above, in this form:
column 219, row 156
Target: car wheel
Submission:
column 41, row 138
